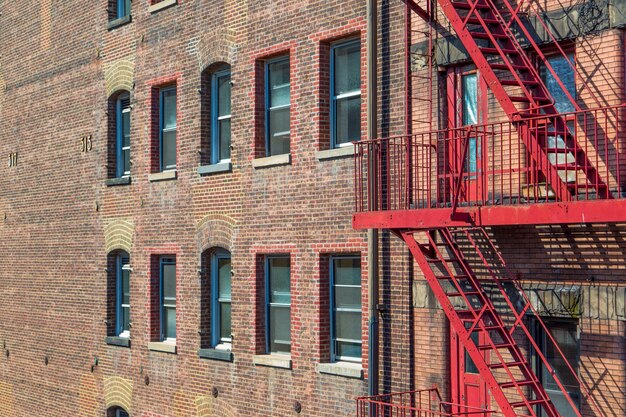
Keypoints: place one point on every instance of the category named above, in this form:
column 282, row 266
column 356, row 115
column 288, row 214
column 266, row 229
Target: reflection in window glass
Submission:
column 345, row 278
column 278, row 94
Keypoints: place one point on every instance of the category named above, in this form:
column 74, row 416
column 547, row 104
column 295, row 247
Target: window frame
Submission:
column 216, row 118
column 334, row 357
column 162, row 129
column 216, row 302
column 120, row 167
column 268, row 109
column 334, row 98
column 268, row 304
column 165, row 260
column 122, row 263
column 538, row 334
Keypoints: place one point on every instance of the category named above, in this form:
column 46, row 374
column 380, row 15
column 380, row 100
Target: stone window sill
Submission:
column 345, row 369
column 217, row 354
column 119, row 22
column 163, row 176
column 117, row 341
column 335, row 153
column 163, row 4
column 271, row 161
column 215, row 168
column 162, row 347
column 111, row 182
column 273, row 360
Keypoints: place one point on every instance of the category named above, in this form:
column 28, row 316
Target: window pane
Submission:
column 348, row 297
column 125, row 318
column 279, row 145
column 565, row 335
column 565, row 73
column 223, row 266
column 121, row 8
column 225, row 328
column 169, row 149
column 347, row 68
column 279, row 280
column 126, row 128
column 169, row 109
column 347, row 271
column 348, row 120
column 224, row 129
column 473, row 149
column 169, row 282
column 170, row 322
column 348, row 349
column 279, row 83
column 348, row 325
column 470, row 99
column 279, row 121
column 280, row 332
column 126, row 155
column 470, row 366
column 125, row 286
column 223, row 95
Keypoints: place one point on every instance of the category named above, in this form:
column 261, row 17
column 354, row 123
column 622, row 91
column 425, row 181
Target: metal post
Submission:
column 372, row 193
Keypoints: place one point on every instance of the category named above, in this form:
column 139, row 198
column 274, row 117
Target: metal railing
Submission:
column 534, row 161
column 417, row 403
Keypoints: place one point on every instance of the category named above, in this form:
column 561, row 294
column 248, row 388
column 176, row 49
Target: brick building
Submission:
column 176, row 214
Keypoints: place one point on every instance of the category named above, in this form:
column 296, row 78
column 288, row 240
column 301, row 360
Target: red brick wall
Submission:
column 55, row 206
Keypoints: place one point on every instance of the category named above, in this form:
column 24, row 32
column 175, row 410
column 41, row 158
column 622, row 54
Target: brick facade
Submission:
column 61, row 69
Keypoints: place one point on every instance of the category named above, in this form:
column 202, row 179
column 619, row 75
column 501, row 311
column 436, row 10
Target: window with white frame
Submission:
column 278, row 303
column 565, row 334
column 345, row 297
column 122, row 130
column 278, row 106
column 345, row 87
column 167, row 128
column 122, row 299
column 167, row 288
column 221, row 299
column 220, row 117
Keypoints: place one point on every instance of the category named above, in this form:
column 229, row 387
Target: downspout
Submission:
column 372, row 234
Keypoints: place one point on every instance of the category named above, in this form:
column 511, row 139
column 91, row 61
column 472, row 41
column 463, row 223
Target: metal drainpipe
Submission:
column 372, row 234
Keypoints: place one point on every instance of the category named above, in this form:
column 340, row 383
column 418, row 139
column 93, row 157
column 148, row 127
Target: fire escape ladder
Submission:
column 468, row 304
column 517, row 85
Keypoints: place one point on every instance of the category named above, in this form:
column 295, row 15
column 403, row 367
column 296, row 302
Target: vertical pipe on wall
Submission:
column 372, row 234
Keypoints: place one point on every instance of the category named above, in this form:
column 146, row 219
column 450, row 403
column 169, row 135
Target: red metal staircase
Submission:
column 470, row 308
column 489, row 38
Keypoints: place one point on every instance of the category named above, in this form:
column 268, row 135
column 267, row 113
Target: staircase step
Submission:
column 456, row 277
column 505, row 365
column 524, row 99
column 467, row 6
column 494, row 51
column 459, row 294
column 530, row 402
column 569, row 167
column 560, row 150
column 484, row 35
column 516, row 83
column 496, row 345
column 476, row 21
column 504, row 67
column 524, row 383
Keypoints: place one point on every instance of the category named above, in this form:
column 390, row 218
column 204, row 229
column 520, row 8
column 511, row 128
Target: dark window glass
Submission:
column 278, row 281
column 278, row 93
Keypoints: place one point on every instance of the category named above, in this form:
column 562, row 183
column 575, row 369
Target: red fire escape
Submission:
column 539, row 167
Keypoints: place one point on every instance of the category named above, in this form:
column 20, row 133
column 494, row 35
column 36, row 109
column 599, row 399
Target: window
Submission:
column 278, row 304
column 167, row 128
column 565, row 333
column 565, row 73
column 122, row 303
column 345, row 86
column 469, row 91
column 220, row 117
column 119, row 9
column 345, row 294
column 277, row 96
column 221, row 298
column 122, row 132
column 117, row 412
column 167, row 286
